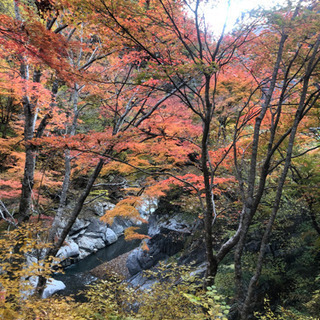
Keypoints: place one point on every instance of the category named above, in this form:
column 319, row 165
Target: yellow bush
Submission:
column 176, row 294
column 282, row 314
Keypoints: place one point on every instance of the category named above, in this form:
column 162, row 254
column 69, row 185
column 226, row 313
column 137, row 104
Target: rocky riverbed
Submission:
column 115, row 266
column 168, row 233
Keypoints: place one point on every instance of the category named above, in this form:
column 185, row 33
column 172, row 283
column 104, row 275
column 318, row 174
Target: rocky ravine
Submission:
column 168, row 234
column 89, row 234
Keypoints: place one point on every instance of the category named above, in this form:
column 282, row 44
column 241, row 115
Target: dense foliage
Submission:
column 137, row 98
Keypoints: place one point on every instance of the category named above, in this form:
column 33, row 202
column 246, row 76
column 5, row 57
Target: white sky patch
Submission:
column 215, row 17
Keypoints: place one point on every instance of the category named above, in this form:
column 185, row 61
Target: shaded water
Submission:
column 77, row 276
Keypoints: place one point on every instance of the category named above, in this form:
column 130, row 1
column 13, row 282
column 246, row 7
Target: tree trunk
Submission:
column 67, row 174
column 251, row 200
column 75, row 213
column 212, row 264
column 245, row 309
column 30, row 114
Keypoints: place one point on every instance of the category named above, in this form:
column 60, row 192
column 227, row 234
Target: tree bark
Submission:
column 67, row 173
column 245, row 308
column 30, row 114
column 75, row 213
column 252, row 201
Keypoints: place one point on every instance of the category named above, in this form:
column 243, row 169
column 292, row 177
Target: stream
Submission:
column 77, row 276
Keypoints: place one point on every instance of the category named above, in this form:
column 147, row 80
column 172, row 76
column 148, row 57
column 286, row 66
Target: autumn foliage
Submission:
column 144, row 92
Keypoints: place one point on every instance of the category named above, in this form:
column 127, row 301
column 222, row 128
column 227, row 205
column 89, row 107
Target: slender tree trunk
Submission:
column 75, row 213
column 67, row 174
column 245, row 309
column 252, row 201
column 30, row 114
column 212, row 263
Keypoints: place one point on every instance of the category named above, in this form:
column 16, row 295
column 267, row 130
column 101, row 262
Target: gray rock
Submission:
column 132, row 263
column 94, row 235
column 98, row 230
column 147, row 207
column 96, row 226
column 77, row 235
column 173, row 224
column 139, row 280
column 88, row 245
column 52, row 287
column 110, row 236
column 98, row 209
column 140, row 260
column 120, row 224
column 69, row 250
column 79, row 225
column 107, row 206
column 161, row 246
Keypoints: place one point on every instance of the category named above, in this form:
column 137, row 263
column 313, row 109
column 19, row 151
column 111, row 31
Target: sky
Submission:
column 216, row 16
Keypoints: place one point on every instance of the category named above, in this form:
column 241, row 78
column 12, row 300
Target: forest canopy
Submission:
column 144, row 97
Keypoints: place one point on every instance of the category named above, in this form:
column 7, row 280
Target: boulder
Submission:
column 175, row 223
column 77, row 235
column 120, row 224
column 52, row 287
column 69, row 250
column 168, row 241
column 99, row 208
column 133, row 263
column 110, row 236
column 142, row 282
column 96, row 226
column 89, row 245
column 107, row 206
column 78, row 226
column 69, row 253
column 161, row 246
column 147, row 207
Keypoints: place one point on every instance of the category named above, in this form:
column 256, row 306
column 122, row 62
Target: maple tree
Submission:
column 195, row 75
column 290, row 86
column 215, row 115
column 113, row 141
column 281, row 76
column 189, row 60
column 22, row 84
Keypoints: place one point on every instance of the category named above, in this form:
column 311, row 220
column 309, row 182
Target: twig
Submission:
column 3, row 210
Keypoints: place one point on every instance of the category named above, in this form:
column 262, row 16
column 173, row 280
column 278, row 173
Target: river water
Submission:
column 77, row 276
